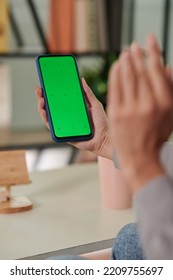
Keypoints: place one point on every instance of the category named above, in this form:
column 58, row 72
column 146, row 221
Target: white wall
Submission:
column 148, row 17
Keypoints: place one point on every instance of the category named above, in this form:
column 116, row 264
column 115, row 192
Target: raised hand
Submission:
column 140, row 109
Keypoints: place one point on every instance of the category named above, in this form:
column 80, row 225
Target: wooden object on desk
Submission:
column 13, row 171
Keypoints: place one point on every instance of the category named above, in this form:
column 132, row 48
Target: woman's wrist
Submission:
column 105, row 150
column 138, row 175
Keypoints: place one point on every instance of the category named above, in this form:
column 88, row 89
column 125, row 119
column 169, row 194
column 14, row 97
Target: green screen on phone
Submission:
column 65, row 100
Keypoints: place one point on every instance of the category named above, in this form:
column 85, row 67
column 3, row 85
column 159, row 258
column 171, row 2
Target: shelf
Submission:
column 25, row 139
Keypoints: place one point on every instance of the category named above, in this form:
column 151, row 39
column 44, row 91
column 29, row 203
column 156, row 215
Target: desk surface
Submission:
column 67, row 212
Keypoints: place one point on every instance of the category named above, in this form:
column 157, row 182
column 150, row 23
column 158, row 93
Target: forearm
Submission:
column 154, row 210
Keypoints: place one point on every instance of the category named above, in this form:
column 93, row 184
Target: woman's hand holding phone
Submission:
column 100, row 143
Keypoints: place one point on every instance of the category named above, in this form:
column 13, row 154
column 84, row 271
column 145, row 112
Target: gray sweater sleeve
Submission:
column 153, row 206
column 154, row 212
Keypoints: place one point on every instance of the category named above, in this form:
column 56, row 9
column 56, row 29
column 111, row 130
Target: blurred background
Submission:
column 93, row 30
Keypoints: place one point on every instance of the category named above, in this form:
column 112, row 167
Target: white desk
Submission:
column 67, row 212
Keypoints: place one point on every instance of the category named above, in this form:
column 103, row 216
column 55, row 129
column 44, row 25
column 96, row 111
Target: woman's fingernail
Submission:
column 152, row 40
column 135, row 47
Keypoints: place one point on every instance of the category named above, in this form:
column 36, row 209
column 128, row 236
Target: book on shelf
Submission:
column 93, row 25
column 5, row 95
column 81, row 38
column 102, row 23
column 60, row 36
column 85, row 25
column 3, row 26
column 97, row 25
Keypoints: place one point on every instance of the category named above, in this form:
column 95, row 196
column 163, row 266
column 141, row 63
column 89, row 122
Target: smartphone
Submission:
column 65, row 102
